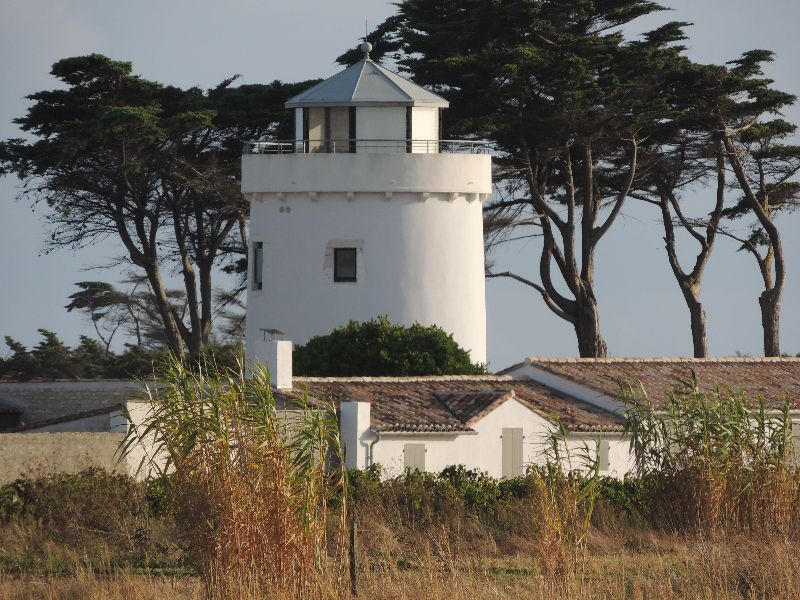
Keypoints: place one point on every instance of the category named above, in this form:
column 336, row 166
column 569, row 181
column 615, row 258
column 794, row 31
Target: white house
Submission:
column 493, row 423
column 366, row 212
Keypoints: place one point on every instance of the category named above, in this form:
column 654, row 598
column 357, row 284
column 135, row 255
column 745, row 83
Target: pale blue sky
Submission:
column 201, row 42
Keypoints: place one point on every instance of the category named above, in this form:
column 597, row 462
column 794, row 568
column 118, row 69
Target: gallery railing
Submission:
column 345, row 146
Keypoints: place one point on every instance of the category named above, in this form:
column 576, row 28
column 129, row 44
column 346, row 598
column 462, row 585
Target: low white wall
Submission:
column 39, row 454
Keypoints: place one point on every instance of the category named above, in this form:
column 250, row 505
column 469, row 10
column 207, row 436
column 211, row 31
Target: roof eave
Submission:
column 366, row 103
column 401, row 432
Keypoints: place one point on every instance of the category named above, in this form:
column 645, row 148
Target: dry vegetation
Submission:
column 710, row 514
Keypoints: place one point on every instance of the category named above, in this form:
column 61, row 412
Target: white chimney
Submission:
column 277, row 356
column 354, row 424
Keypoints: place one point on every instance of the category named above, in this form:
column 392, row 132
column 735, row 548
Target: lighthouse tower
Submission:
column 366, row 212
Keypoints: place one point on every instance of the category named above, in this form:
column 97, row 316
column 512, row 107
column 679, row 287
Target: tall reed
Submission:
column 251, row 482
column 566, row 488
column 714, row 461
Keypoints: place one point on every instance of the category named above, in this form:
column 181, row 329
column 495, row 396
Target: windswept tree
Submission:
column 567, row 101
column 131, row 310
column 685, row 159
column 108, row 309
column 154, row 166
column 765, row 165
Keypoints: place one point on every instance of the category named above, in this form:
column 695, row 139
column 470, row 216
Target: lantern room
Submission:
column 367, row 108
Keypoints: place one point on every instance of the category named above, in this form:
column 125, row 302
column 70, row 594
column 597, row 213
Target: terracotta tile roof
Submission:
column 773, row 379
column 450, row 404
column 471, row 407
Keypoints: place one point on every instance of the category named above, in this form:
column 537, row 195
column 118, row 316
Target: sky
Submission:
column 202, row 42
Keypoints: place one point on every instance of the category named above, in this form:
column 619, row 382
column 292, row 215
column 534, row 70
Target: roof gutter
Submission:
column 426, row 433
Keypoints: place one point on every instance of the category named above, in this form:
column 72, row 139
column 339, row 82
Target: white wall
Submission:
column 316, row 129
column 420, row 255
column 425, row 127
column 142, row 460
column 619, row 463
column 354, row 425
column 303, row 173
column 481, row 450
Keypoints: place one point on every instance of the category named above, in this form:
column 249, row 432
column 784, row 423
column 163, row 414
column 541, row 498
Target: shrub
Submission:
column 92, row 500
column 378, row 347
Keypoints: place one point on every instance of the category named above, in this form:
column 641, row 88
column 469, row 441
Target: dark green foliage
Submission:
column 567, row 99
column 629, row 495
column 112, row 154
column 158, row 492
column 51, row 359
column 95, row 492
column 421, row 496
column 378, row 347
column 110, row 521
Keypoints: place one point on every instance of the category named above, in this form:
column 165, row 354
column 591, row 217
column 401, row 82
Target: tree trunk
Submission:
column 697, row 317
column 206, row 299
column 164, row 309
column 770, row 303
column 587, row 328
column 770, row 298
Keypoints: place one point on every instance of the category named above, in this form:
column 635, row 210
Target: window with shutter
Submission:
column 512, row 451
column 414, row 457
column 603, row 461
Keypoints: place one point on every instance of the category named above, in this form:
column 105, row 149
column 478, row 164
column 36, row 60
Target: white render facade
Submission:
column 503, row 444
column 366, row 178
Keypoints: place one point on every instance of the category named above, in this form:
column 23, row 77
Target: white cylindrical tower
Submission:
column 365, row 213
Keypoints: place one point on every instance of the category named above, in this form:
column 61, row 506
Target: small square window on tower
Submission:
column 258, row 265
column 344, row 264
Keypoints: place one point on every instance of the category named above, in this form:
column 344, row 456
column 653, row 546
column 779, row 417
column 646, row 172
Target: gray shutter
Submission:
column 512, row 451
column 603, row 461
column 414, row 457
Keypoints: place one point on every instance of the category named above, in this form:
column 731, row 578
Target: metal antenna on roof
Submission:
column 366, row 46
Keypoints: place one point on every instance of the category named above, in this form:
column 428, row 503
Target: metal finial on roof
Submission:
column 366, row 47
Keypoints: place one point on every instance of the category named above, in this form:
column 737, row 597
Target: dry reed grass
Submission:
column 715, row 461
column 250, row 491
column 739, row 568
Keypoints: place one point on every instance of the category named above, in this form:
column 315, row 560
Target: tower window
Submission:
column 258, row 265
column 344, row 264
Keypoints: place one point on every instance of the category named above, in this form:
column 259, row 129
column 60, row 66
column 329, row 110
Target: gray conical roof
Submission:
column 366, row 83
